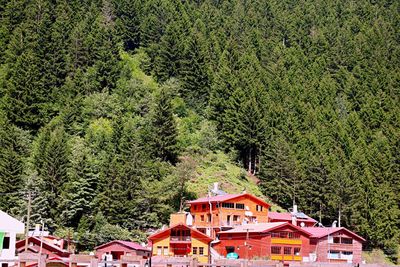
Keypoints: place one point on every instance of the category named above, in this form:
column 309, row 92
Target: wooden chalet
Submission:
column 223, row 212
column 181, row 240
column 118, row 248
column 277, row 241
column 334, row 244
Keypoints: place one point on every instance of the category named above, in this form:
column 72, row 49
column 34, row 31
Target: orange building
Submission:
column 180, row 241
column 223, row 212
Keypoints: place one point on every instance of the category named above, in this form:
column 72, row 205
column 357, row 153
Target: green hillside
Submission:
column 113, row 112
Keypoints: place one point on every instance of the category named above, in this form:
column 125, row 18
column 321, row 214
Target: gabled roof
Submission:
column 128, row 244
column 263, row 228
column 10, row 224
column 319, row 232
column 193, row 231
column 287, row 216
column 48, row 245
column 223, row 198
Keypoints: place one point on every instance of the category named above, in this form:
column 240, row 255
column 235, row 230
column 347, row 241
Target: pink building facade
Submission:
column 335, row 244
column 118, row 248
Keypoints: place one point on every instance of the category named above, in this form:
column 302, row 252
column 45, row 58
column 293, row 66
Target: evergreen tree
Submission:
column 163, row 127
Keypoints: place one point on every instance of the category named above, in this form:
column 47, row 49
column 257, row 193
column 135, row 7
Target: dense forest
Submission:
column 105, row 104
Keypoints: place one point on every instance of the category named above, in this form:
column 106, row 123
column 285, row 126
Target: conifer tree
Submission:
column 163, row 127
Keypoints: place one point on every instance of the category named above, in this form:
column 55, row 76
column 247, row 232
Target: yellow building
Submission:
column 181, row 241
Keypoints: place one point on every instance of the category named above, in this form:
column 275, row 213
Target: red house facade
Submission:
column 49, row 247
column 118, row 248
column 277, row 241
column 334, row 244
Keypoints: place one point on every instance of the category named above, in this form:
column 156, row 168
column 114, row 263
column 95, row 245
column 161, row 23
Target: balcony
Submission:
column 180, row 239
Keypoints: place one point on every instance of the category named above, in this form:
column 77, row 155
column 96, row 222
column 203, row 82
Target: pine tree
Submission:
column 163, row 127
column 51, row 163
column 79, row 191
column 195, row 74
column 13, row 154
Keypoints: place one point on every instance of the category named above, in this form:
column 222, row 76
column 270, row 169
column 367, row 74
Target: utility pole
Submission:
column 28, row 220
column 41, row 246
column 247, row 243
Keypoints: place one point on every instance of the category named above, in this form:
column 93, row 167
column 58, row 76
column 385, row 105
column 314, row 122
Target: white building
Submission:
column 9, row 228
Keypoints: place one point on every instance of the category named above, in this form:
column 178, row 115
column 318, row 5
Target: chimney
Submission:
column 295, row 208
column 177, row 218
column 37, row 229
column 215, row 187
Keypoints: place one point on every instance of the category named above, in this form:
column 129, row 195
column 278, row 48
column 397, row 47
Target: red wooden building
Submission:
column 118, row 248
column 51, row 246
column 277, row 241
column 334, row 244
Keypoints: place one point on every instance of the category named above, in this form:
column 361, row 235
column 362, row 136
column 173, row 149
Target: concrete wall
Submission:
column 9, row 254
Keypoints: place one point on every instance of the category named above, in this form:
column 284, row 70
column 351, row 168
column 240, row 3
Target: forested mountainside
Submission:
column 109, row 109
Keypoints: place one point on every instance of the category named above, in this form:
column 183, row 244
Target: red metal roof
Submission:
column 223, row 198
column 129, row 244
column 287, row 216
column 319, row 232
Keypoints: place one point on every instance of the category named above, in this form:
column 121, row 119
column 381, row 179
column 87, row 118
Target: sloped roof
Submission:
column 319, row 232
column 128, row 244
column 48, row 245
column 223, row 198
column 193, row 230
column 263, row 228
column 287, row 216
column 10, row 224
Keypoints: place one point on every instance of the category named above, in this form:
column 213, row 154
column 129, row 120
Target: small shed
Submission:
column 118, row 248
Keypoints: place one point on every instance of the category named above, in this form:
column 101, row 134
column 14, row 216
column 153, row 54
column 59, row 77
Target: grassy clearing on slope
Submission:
column 218, row 167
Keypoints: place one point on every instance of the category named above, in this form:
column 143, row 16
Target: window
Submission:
column 194, row 250
column 342, row 240
column 159, row 252
column 6, row 242
column 294, row 235
column 195, row 207
column 296, row 251
column 201, row 251
column 236, row 218
column 4, row 265
column 166, row 252
column 274, row 234
column 287, row 251
column 275, row 250
column 202, row 218
column 347, row 240
column 239, row 206
column 228, row 205
column 204, row 206
column 347, row 253
column 194, row 218
column 283, row 234
column 208, row 217
column 333, row 254
column 259, row 208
